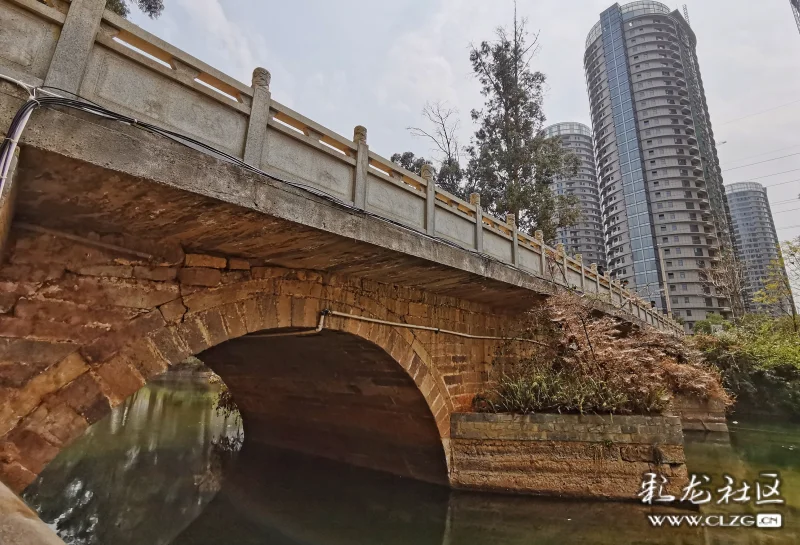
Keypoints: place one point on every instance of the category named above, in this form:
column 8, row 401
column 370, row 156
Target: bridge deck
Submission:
column 385, row 222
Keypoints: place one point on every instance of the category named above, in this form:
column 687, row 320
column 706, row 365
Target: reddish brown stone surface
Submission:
column 84, row 327
column 700, row 414
column 565, row 455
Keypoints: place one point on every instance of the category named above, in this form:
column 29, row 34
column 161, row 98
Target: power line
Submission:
column 759, row 113
column 781, row 183
column 787, row 201
column 790, row 210
column 740, row 159
column 764, row 161
column 767, row 176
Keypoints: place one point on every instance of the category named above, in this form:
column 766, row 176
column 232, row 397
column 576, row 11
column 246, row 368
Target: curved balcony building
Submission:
column 586, row 236
column 754, row 237
column 665, row 215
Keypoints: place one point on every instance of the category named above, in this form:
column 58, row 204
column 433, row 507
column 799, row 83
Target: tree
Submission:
column 152, row 8
column 783, row 274
column 445, row 124
column 511, row 163
column 408, row 161
column 728, row 279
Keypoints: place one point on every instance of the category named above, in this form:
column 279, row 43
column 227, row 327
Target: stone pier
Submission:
column 578, row 456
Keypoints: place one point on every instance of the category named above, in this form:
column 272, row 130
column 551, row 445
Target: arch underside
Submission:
column 333, row 395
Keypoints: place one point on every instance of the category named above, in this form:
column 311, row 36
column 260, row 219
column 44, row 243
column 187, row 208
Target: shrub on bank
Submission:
column 759, row 360
column 590, row 363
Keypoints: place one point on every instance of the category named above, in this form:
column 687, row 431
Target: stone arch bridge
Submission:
column 126, row 252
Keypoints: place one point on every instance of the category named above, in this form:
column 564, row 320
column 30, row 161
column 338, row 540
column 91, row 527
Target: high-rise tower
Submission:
column 585, row 237
column 754, row 235
column 664, row 210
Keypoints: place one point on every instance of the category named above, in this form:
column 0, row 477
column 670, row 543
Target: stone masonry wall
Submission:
column 87, row 319
column 564, row 455
column 700, row 414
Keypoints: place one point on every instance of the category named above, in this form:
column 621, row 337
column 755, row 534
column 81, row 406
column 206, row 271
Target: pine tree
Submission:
column 409, row 161
column 152, row 8
column 511, row 163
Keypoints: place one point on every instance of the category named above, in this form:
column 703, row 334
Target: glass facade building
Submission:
column 754, row 236
column 664, row 212
column 585, row 237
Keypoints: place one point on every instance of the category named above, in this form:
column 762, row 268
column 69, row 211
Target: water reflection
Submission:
column 140, row 475
column 148, row 475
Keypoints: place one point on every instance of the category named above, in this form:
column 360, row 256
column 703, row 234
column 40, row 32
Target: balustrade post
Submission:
column 560, row 253
column 593, row 268
column 362, row 167
column 539, row 236
column 430, row 200
column 255, row 146
column 475, row 200
column 610, row 288
column 512, row 223
column 579, row 259
column 75, row 45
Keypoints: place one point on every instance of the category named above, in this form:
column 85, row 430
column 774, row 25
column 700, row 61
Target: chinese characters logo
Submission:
column 699, row 491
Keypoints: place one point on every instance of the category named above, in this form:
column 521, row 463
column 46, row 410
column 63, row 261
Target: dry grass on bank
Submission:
column 591, row 364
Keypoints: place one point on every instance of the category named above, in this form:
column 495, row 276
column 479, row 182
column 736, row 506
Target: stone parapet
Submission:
column 581, row 456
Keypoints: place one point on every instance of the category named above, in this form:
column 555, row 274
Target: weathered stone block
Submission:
column 104, row 347
column 110, row 292
column 118, row 379
column 173, row 311
column 118, row 271
column 236, row 264
column 170, row 345
column 158, row 274
column 200, row 276
column 201, row 260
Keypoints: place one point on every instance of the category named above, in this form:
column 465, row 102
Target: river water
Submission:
column 151, row 473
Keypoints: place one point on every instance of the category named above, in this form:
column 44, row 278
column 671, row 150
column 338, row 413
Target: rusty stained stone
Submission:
column 22, row 359
column 237, row 264
column 103, row 348
column 173, row 311
column 15, row 475
column 109, row 292
column 118, row 379
column 55, row 421
column 85, row 397
column 205, row 261
column 116, row 271
column 205, row 299
column 24, row 400
column 71, row 313
column 201, row 276
column 33, row 451
column 169, row 343
column 158, row 274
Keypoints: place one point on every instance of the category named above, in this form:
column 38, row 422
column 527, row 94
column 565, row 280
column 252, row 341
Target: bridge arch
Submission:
column 398, row 412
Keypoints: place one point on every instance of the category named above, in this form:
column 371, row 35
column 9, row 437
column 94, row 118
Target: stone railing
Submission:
column 79, row 47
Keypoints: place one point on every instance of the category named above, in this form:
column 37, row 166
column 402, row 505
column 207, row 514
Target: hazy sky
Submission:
column 354, row 62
